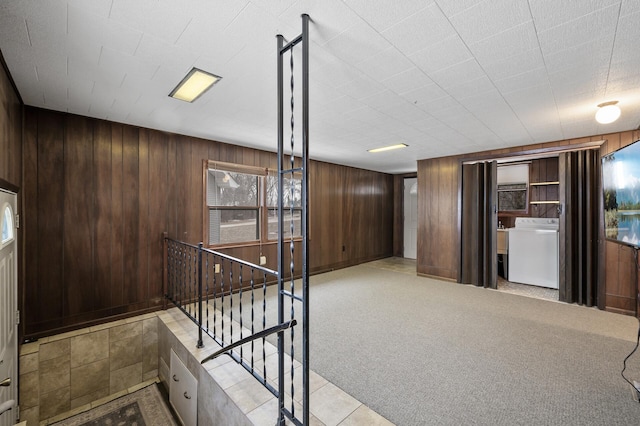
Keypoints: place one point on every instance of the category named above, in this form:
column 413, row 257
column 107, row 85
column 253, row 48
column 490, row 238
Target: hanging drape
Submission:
column 580, row 193
column 479, row 224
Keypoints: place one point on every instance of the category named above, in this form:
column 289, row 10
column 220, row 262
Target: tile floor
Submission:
column 329, row 405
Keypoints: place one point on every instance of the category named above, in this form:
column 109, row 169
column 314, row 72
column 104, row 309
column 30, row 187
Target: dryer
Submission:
column 533, row 251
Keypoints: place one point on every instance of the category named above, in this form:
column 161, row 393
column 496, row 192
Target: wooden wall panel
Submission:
column 438, row 234
column 10, row 130
column 50, row 201
column 103, row 215
column 104, row 193
column 77, row 216
column 117, row 212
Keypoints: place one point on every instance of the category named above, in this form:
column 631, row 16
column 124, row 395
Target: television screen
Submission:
column 621, row 191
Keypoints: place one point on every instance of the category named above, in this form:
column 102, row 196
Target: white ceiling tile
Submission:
column 461, row 72
column 361, row 88
column 164, row 19
column 532, row 78
column 506, row 45
column 382, row 15
column 155, row 51
column 98, row 7
column 329, row 18
column 453, row 7
column 499, row 68
column 99, row 30
column 385, row 64
column 13, row 28
column 629, row 7
column 356, row 44
column 420, row 30
column 425, row 95
column 408, row 80
column 471, row 88
column 443, row 54
column 597, row 25
column 489, row 18
column 551, row 13
column 587, row 55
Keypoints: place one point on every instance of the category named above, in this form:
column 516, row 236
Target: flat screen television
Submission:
column 621, row 192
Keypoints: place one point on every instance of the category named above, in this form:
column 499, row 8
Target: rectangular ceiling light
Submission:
column 194, row 85
column 388, row 148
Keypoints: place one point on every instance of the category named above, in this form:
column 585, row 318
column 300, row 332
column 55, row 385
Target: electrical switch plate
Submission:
column 263, row 260
column 217, row 268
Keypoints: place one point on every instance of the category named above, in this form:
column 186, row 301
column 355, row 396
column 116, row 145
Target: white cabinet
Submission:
column 183, row 391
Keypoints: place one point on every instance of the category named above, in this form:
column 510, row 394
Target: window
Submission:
column 242, row 204
column 292, row 206
column 7, row 225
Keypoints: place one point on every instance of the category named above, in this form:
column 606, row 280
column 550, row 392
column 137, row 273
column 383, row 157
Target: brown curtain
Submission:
column 580, row 194
column 479, row 224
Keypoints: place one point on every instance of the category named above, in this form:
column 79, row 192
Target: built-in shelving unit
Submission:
column 536, row 184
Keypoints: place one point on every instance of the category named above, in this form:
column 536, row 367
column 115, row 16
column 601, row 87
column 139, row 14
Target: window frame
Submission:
column 262, row 208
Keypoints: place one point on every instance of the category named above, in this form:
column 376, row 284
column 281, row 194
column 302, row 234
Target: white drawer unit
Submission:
column 183, row 391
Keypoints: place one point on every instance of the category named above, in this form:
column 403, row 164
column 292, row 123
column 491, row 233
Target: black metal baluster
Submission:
column 240, row 305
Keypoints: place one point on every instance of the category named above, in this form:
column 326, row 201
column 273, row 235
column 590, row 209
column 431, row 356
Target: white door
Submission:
column 410, row 218
column 8, row 307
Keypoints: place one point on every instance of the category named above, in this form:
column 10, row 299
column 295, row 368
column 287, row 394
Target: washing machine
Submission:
column 533, row 252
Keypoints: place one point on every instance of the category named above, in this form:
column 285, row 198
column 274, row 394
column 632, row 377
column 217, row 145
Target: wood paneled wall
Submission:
column 99, row 195
column 438, row 218
column 439, row 235
column 10, row 131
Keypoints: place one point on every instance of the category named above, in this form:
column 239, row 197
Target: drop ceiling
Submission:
column 444, row 77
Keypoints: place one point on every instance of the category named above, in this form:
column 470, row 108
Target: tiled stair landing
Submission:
column 229, row 394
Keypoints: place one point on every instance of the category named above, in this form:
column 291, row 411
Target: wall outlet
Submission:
column 263, row 260
column 217, row 268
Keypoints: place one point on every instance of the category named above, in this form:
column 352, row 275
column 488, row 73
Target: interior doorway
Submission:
column 8, row 310
column 410, row 248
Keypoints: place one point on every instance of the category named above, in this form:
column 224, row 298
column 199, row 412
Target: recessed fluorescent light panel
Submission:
column 388, row 148
column 194, row 85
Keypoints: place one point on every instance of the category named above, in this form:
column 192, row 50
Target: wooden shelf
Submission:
column 544, row 183
column 545, row 202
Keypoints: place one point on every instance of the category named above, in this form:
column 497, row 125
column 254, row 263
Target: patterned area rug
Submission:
column 145, row 407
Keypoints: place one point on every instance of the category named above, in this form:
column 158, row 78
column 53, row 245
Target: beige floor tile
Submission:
column 30, row 415
column 109, row 398
column 126, row 331
column 89, row 347
column 54, row 349
column 365, row 416
column 125, row 352
column 30, row 348
column 54, row 403
column 29, row 389
column 107, row 325
column 249, row 394
column 267, row 414
column 29, row 362
column 331, row 405
column 68, row 335
column 54, row 374
column 125, row 377
column 229, row 374
column 90, row 378
column 88, row 398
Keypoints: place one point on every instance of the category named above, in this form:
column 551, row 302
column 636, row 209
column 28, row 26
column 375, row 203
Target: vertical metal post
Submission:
column 305, row 218
column 281, row 419
column 200, row 343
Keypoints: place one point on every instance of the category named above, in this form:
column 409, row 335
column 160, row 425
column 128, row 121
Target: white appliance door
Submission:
column 533, row 257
